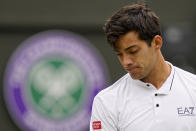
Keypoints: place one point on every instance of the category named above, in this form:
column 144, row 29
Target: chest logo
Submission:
column 96, row 125
column 186, row 111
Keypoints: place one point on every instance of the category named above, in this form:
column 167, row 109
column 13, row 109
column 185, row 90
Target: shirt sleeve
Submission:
column 101, row 118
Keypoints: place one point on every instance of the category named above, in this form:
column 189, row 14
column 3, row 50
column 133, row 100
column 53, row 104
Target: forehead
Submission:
column 129, row 39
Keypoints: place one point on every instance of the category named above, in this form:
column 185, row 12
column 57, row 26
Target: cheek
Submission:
column 146, row 59
column 143, row 58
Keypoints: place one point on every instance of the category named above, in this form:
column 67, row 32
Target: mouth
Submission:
column 132, row 69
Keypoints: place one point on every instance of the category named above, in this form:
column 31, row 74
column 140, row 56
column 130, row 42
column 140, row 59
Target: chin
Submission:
column 136, row 76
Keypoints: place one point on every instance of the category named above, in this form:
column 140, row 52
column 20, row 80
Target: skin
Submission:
column 141, row 61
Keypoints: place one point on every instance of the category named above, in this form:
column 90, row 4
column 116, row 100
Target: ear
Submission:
column 158, row 42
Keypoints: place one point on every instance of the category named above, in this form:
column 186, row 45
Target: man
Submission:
column 154, row 95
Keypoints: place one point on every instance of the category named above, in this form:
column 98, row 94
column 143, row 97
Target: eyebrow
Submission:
column 126, row 49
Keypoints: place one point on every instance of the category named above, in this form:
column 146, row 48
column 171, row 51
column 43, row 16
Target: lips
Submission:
column 132, row 69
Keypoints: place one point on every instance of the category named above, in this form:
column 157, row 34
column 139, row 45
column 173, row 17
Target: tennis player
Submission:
column 154, row 95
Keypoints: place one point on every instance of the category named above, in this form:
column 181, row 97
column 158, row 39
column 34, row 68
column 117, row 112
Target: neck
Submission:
column 159, row 74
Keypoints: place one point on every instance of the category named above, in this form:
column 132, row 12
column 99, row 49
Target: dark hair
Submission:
column 136, row 17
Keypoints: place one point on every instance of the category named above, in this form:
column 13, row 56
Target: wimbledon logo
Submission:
column 51, row 80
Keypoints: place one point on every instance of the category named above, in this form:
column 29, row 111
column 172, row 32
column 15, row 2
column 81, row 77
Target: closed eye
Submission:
column 133, row 52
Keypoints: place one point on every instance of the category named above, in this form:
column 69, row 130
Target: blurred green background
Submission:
column 23, row 18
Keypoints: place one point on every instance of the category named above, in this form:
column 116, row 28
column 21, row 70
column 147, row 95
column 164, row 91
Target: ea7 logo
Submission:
column 186, row 111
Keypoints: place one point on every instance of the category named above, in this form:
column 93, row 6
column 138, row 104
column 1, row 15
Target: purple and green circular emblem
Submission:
column 51, row 80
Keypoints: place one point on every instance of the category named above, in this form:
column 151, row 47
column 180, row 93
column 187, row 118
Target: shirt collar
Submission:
column 167, row 85
column 165, row 88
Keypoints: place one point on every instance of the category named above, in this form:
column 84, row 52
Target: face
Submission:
column 135, row 55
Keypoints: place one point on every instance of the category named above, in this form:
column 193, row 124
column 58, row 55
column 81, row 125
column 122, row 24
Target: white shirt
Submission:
column 132, row 105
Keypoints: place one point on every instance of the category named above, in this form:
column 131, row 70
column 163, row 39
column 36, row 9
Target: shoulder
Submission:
column 185, row 74
column 110, row 96
column 114, row 88
column 186, row 78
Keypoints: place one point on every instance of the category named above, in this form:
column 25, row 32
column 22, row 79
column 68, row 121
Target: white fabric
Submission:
column 130, row 105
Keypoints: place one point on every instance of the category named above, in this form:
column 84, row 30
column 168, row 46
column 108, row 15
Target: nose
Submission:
column 126, row 60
